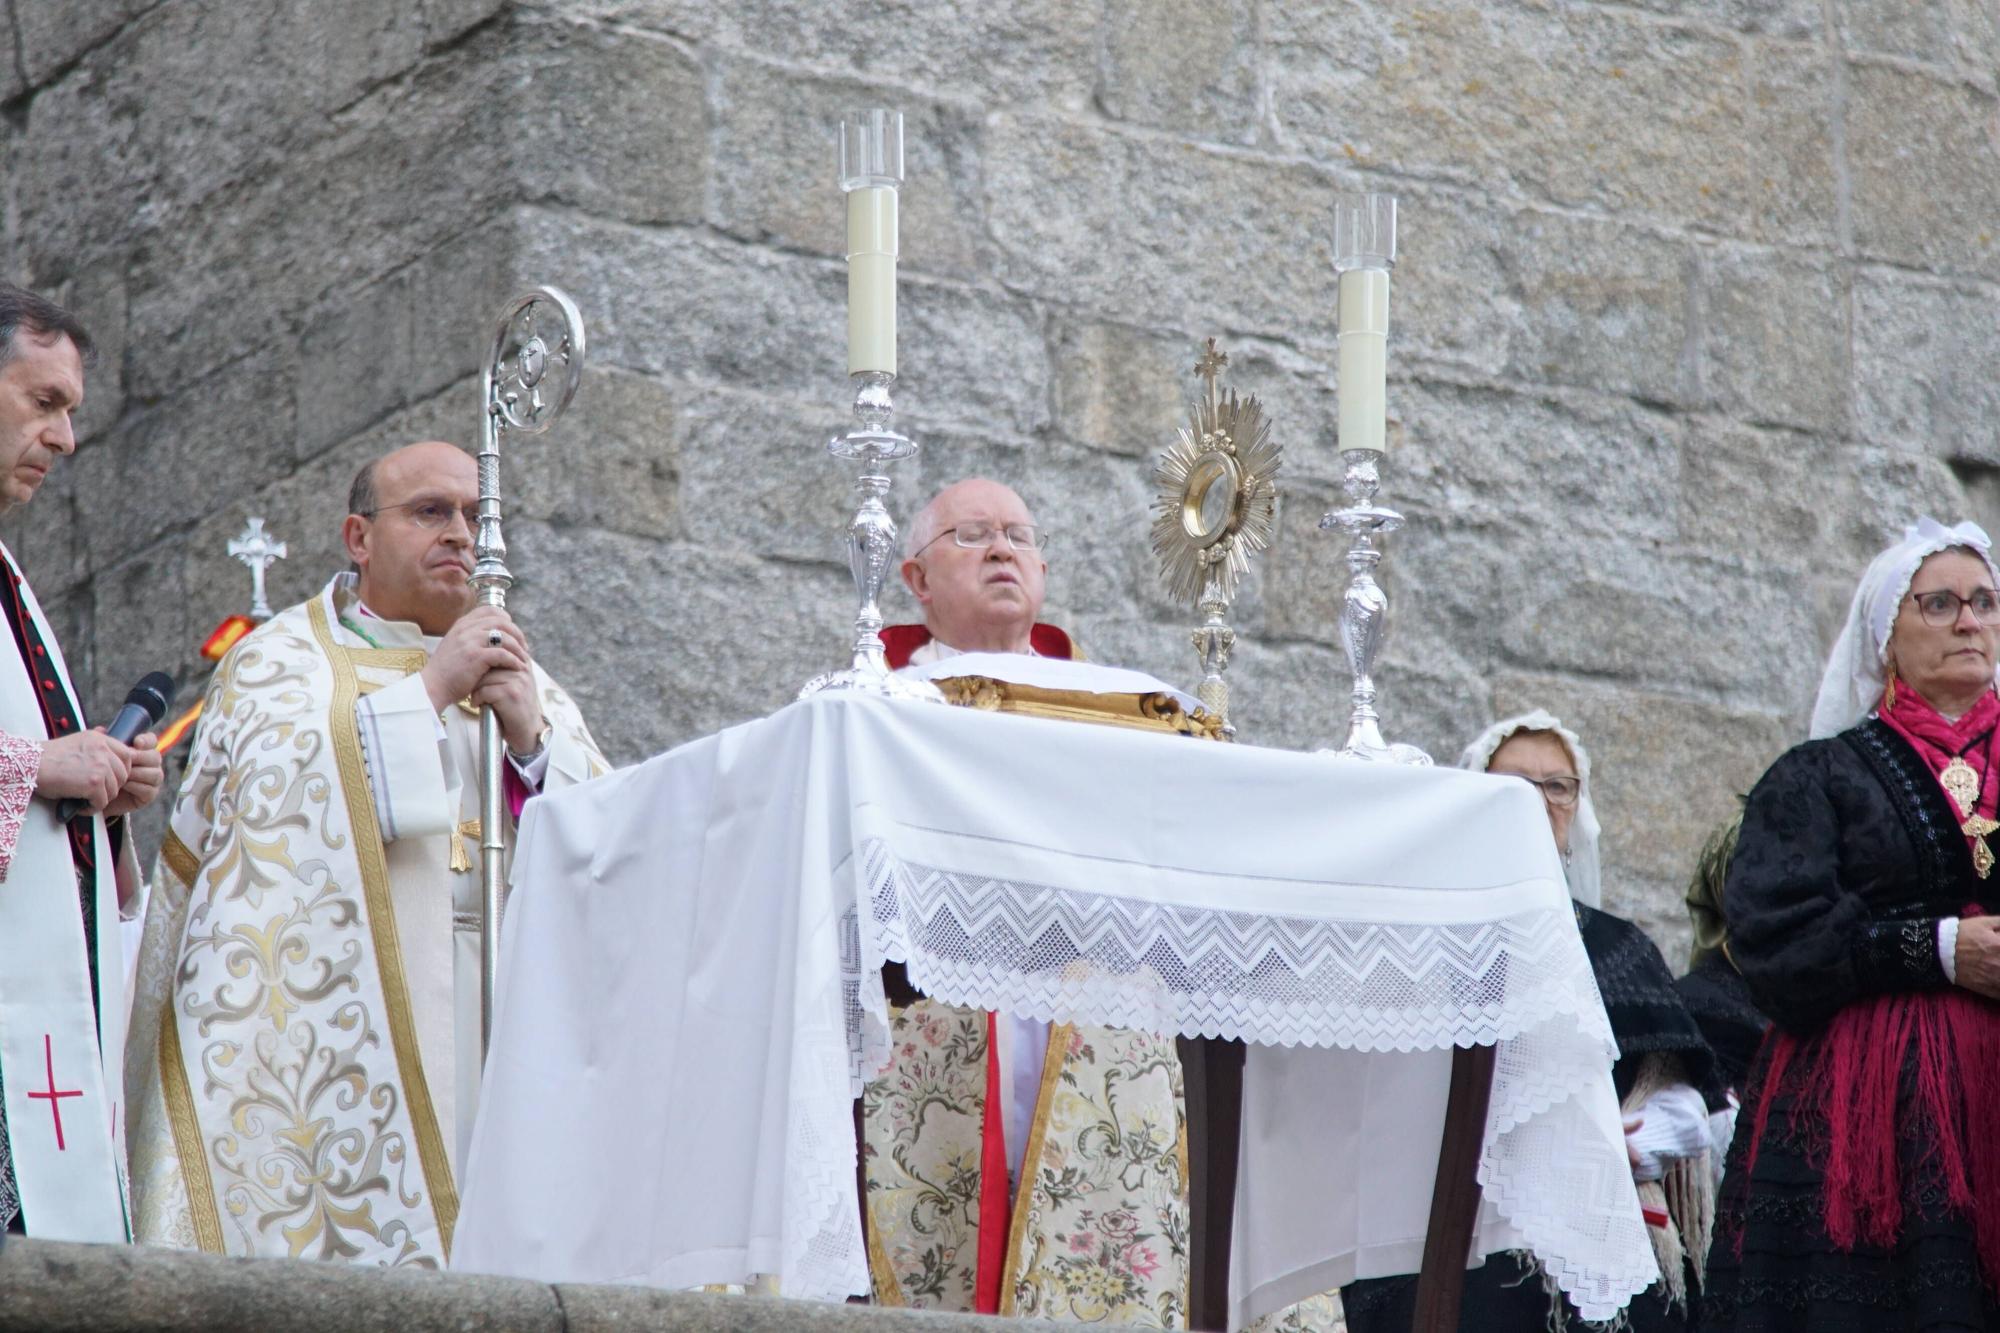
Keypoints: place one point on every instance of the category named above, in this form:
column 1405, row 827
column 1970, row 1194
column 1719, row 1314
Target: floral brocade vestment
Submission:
column 300, row 1034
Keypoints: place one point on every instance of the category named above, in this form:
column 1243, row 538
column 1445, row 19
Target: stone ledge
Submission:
column 57, row 1287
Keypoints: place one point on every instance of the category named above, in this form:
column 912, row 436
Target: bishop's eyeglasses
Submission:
column 1020, row 536
column 431, row 513
column 1940, row 608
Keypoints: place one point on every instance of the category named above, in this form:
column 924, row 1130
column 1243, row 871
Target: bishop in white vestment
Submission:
column 305, row 1054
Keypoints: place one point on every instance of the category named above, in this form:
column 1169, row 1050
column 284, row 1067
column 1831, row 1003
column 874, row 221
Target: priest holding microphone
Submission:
column 66, row 865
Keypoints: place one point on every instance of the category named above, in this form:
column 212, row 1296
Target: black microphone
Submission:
column 144, row 707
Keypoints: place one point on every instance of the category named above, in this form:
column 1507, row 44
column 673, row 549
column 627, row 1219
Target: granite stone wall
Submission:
column 1695, row 306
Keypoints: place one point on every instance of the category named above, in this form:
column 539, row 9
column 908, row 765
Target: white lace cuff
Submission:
column 20, row 766
column 1948, row 947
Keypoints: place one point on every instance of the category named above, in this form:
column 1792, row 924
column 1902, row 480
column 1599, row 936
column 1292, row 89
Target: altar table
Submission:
column 690, row 991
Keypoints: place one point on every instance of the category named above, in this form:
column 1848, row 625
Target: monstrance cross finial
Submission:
column 1212, row 363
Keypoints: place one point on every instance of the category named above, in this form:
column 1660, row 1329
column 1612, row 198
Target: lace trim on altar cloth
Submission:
column 20, row 766
column 1522, row 983
column 1066, row 956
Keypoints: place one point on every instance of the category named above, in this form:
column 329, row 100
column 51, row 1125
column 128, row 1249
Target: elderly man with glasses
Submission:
column 306, row 1052
column 983, row 1191
column 975, row 561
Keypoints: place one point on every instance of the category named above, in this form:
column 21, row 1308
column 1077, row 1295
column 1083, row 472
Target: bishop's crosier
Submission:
column 305, row 1061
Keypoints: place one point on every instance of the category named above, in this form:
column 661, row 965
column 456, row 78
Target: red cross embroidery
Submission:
column 53, row 1096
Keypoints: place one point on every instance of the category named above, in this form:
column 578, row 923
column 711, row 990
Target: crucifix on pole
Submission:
column 256, row 549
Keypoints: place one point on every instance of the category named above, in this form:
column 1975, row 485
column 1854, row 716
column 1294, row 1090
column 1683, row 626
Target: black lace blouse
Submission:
column 1850, row 854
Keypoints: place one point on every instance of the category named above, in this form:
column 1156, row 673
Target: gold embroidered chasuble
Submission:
column 304, row 1049
column 1100, row 1228
column 1101, row 1219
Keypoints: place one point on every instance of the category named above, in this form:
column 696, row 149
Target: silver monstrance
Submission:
column 527, row 382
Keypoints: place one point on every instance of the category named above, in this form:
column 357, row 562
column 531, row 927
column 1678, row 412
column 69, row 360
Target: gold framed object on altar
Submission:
column 1155, row 711
column 1216, row 499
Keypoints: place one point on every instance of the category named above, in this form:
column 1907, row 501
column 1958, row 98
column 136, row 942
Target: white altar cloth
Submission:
column 690, row 995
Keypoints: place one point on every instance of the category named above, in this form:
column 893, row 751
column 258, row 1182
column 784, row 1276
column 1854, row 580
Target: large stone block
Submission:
column 1129, row 390
column 145, row 623
column 1774, row 345
column 393, row 182
column 1647, row 621
column 1598, row 304
column 613, row 463
column 1963, row 34
column 1142, row 229
column 628, row 134
column 156, row 472
column 1038, row 52
column 46, row 535
column 1584, row 107
column 95, row 294
column 446, row 21
column 52, row 37
column 193, row 96
column 777, row 323
column 1768, row 18
column 776, row 165
column 366, row 352
column 1925, row 361
column 1562, row 459
column 720, row 311
column 1761, row 497
column 1665, row 770
column 757, row 480
column 1186, row 65
column 663, row 643
column 1924, row 158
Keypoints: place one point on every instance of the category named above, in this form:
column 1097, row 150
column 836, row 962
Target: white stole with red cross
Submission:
column 62, row 1064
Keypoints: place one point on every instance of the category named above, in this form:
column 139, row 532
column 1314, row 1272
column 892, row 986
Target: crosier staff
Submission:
column 541, row 334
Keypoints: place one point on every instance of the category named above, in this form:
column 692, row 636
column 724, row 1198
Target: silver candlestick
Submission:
column 529, row 379
column 1364, row 250
column 871, row 542
column 871, row 177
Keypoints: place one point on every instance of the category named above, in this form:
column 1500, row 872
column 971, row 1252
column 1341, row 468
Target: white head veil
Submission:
column 1586, row 883
column 1858, row 670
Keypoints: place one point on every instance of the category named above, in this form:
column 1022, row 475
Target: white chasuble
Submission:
column 60, row 1056
column 305, row 1052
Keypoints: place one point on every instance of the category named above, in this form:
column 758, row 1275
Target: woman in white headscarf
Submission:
column 1863, row 1190
column 1665, row 1074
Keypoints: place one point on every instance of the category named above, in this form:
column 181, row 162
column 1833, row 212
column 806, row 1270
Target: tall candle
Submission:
column 871, row 172
column 1363, row 367
column 871, row 279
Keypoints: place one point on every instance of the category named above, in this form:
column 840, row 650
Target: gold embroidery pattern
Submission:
column 276, row 1004
column 381, row 914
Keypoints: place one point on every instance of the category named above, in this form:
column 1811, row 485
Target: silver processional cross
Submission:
column 256, row 549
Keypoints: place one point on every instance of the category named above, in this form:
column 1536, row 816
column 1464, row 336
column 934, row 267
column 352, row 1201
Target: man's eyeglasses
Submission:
column 1940, row 608
column 1559, row 791
column 1020, row 536
column 431, row 514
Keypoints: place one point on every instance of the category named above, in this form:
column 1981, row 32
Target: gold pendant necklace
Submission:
column 1961, row 783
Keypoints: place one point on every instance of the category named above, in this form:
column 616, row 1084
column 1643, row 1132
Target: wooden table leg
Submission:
column 1455, row 1193
column 1212, row 1076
